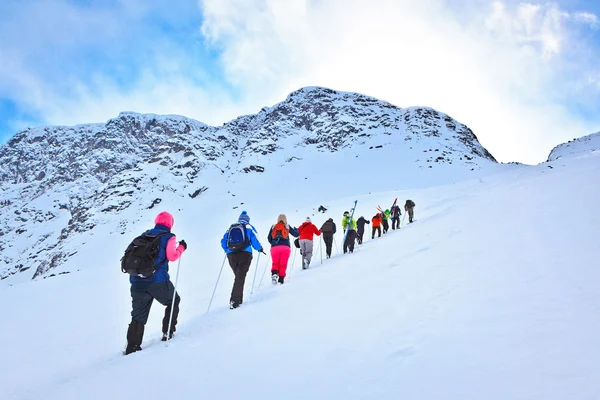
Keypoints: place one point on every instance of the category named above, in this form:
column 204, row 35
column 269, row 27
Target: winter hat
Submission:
column 346, row 213
column 244, row 217
column 164, row 218
column 308, row 219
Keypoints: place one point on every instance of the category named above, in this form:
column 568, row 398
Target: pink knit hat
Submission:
column 164, row 218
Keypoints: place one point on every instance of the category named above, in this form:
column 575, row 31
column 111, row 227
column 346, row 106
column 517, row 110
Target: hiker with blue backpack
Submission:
column 237, row 243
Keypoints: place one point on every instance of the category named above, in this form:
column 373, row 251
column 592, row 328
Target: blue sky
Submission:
column 523, row 75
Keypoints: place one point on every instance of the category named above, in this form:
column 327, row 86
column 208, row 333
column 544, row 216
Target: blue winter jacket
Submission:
column 282, row 242
column 162, row 269
column 249, row 234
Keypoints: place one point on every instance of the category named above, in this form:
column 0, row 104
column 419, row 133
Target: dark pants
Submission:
column 378, row 230
column 396, row 222
column 411, row 214
column 328, row 243
column 359, row 235
column 349, row 242
column 240, row 264
column 142, row 296
column 385, row 224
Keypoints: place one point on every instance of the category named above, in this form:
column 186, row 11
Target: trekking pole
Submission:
column 255, row 271
column 293, row 258
column 216, row 284
column 321, row 248
column 264, row 272
column 337, row 249
column 173, row 301
column 404, row 216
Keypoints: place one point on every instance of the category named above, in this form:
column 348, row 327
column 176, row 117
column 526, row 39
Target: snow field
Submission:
column 490, row 294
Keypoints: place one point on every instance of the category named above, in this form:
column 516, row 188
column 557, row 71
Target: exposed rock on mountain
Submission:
column 59, row 183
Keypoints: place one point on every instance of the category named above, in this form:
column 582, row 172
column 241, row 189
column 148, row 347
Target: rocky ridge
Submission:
column 58, row 183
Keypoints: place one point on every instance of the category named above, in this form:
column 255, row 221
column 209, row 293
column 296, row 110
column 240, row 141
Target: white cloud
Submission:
column 586, row 18
column 48, row 65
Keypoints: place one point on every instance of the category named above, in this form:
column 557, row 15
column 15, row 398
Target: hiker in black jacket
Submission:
column 328, row 229
column 360, row 228
column 396, row 213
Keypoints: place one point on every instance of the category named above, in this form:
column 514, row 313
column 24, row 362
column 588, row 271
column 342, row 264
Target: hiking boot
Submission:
column 135, row 334
column 132, row 349
column 164, row 337
column 281, row 279
column 233, row 304
column 305, row 263
column 274, row 278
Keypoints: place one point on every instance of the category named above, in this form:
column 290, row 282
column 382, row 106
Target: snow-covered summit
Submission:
column 61, row 183
column 576, row 147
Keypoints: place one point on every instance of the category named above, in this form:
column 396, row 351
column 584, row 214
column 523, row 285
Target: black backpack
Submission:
column 141, row 255
column 327, row 227
column 237, row 239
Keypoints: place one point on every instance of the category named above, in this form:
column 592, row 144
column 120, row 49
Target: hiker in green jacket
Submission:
column 349, row 224
column 385, row 216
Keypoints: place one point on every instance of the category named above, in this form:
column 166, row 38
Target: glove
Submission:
column 262, row 251
column 183, row 243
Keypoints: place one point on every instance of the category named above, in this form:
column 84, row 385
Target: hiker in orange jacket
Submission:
column 376, row 220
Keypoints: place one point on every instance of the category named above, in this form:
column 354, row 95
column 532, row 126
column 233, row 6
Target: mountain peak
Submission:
column 89, row 175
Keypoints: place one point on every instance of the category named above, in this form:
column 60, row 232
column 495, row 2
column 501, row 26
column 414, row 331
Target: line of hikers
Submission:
column 158, row 246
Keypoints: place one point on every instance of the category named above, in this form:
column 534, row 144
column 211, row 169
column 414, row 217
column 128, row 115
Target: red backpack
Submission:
column 279, row 232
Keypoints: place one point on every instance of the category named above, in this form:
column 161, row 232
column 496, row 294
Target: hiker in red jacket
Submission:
column 307, row 231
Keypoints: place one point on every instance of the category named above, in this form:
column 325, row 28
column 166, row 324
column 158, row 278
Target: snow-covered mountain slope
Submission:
column 576, row 147
column 64, row 188
column 490, row 294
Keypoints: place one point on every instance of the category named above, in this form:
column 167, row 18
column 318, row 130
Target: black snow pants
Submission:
column 385, row 224
column 328, row 243
column 378, row 230
column 239, row 262
column 396, row 222
column 349, row 242
column 142, row 296
column 359, row 235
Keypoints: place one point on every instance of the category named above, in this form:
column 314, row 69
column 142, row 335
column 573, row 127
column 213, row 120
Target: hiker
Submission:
column 279, row 238
column 237, row 243
column 157, row 286
column 307, row 231
column 328, row 229
column 384, row 220
column 349, row 224
column 376, row 220
column 409, row 207
column 396, row 213
column 360, row 228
